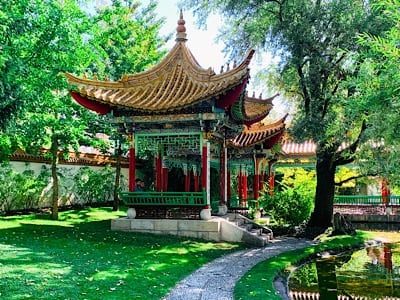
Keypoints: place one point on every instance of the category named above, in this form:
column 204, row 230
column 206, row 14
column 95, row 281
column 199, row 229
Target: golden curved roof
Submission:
column 259, row 133
column 252, row 110
column 256, row 107
column 177, row 82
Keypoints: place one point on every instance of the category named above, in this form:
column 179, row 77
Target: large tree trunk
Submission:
column 321, row 217
column 54, row 161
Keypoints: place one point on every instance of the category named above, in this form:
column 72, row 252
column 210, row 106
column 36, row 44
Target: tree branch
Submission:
column 303, row 87
column 351, row 149
column 340, row 183
column 327, row 100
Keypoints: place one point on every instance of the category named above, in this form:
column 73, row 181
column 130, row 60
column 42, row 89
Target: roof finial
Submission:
column 181, row 29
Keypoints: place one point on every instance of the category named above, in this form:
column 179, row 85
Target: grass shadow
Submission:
column 79, row 257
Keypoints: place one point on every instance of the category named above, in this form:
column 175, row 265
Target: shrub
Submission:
column 289, row 207
column 21, row 190
column 293, row 198
column 94, row 186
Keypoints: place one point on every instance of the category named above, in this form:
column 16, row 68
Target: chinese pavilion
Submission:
column 191, row 118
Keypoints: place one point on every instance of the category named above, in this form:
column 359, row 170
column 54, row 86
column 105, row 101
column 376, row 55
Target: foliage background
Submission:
column 293, row 197
column 79, row 187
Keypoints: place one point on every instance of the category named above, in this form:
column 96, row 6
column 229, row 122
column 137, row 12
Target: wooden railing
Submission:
column 367, row 206
column 366, row 200
column 172, row 199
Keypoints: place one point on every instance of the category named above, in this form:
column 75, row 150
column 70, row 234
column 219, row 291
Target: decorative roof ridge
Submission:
column 260, row 99
column 178, row 52
column 181, row 52
column 244, row 64
column 260, row 127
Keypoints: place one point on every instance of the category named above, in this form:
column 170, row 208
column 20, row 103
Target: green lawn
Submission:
column 79, row 257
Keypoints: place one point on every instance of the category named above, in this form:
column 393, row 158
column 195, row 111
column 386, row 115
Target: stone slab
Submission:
column 142, row 224
column 121, row 224
column 195, row 225
column 166, row 225
column 215, row 229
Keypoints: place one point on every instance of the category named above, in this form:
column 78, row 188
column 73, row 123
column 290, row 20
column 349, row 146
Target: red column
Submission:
column 164, row 176
column 132, row 166
column 186, row 172
column 271, row 183
column 158, row 174
column 195, row 180
column 385, row 191
column 244, row 185
column 204, row 168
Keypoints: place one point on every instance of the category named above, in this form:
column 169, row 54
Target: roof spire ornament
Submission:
column 181, row 29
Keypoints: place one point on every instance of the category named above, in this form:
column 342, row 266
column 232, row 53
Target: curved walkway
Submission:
column 216, row 280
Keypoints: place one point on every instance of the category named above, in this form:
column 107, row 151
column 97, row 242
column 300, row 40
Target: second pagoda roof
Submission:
column 258, row 134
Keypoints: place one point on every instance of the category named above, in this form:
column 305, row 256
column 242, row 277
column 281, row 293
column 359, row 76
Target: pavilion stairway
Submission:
column 253, row 233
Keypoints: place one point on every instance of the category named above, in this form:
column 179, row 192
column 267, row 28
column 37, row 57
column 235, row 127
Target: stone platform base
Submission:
column 207, row 230
column 215, row 229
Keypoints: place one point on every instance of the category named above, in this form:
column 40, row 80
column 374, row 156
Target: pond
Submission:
column 370, row 273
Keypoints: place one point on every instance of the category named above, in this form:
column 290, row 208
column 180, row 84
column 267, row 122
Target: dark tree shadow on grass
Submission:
column 86, row 260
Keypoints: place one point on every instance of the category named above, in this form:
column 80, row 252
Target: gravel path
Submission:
column 216, row 280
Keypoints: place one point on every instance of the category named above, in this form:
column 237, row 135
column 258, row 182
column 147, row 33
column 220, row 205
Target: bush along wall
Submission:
column 21, row 191
column 27, row 190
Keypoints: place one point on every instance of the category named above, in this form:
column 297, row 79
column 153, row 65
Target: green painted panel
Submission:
column 164, row 198
column 174, row 144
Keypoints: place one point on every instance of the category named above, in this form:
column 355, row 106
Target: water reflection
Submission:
column 372, row 273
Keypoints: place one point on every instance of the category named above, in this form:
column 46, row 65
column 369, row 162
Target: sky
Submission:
column 207, row 50
column 202, row 43
column 205, row 47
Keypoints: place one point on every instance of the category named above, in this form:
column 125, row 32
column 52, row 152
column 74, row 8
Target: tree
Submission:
column 56, row 37
column 56, row 44
column 14, row 43
column 127, row 38
column 316, row 42
column 377, row 86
